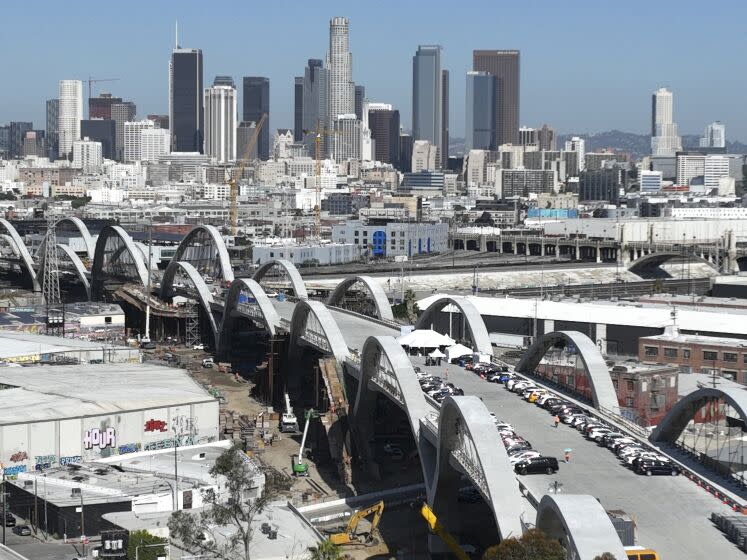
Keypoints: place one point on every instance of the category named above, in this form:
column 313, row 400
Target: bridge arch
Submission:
column 205, row 249
column 268, row 313
column 78, row 224
column 655, row 260
column 203, row 291
column 676, row 420
column 78, row 267
column 474, row 321
column 331, row 336
column 466, row 433
column 374, row 289
column 602, row 390
column 299, row 288
column 112, row 245
column 580, row 523
column 23, row 252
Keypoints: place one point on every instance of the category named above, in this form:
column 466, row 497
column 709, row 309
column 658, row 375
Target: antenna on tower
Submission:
column 176, row 39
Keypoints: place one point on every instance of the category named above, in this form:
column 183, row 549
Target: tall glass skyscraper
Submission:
column 315, row 104
column 70, row 115
column 480, row 115
column 504, row 65
column 186, row 112
column 256, row 103
column 340, row 67
column 427, row 92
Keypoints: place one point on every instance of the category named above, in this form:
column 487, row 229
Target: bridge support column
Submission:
column 731, row 266
column 578, row 252
column 542, row 249
column 599, row 254
column 500, row 244
column 526, row 249
column 483, row 240
column 515, row 247
column 557, row 249
column 601, row 330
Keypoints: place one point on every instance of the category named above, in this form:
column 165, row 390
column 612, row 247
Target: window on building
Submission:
column 631, row 385
column 730, row 357
column 629, row 401
column 686, row 354
column 356, row 233
column 710, row 356
column 744, row 358
column 670, row 352
column 651, row 350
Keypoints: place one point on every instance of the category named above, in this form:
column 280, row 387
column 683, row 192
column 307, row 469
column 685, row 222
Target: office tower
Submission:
column 715, row 167
column 122, row 113
column 690, row 165
column 162, row 121
column 577, row 145
column 70, row 114
column 87, row 155
column 220, row 122
column 714, row 136
column 298, row 108
column 244, row 134
column 224, row 81
column 444, row 119
column 650, row 180
column 406, row 144
column 132, row 131
column 665, row 141
column 528, row 136
column 186, row 116
column 154, row 143
column 480, row 112
column 347, row 138
column 383, row 122
column 424, row 156
column 427, row 95
column 546, row 138
column 4, row 141
column 315, row 104
column 103, row 131
column 101, row 107
column 360, row 95
column 600, row 185
column 33, row 144
column 504, row 65
column 18, row 131
column 52, row 128
column 340, row 68
column 257, row 103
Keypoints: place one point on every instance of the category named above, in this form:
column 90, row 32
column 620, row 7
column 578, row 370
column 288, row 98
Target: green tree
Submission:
column 235, row 509
column 533, row 545
column 326, row 551
column 139, row 539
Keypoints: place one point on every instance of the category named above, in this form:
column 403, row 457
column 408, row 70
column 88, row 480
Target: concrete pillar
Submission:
column 599, row 254
column 602, row 337
column 500, row 244
column 483, row 242
column 557, row 249
column 731, row 265
column 515, row 247
column 526, row 249
column 578, row 252
column 542, row 250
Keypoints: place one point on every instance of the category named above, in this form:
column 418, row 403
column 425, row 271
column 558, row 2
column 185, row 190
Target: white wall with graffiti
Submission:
column 39, row 446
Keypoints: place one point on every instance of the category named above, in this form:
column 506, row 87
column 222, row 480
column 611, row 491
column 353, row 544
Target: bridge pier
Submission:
column 483, row 239
column 542, row 249
column 599, row 254
column 578, row 252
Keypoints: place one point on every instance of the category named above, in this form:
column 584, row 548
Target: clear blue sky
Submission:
column 586, row 66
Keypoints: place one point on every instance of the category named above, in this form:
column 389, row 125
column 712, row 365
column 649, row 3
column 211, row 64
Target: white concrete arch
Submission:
column 267, row 312
column 23, row 252
column 580, row 523
column 203, row 291
column 219, row 246
column 299, row 288
column 602, row 390
column 472, row 317
column 101, row 260
column 374, row 289
column 653, row 260
column 330, row 336
column 80, row 269
column 85, row 234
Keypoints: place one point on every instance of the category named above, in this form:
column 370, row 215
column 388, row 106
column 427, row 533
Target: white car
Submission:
column 198, row 347
column 541, row 400
column 598, row 432
column 511, row 382
column 523, row 456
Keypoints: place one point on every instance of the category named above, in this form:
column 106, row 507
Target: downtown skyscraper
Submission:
column 186, row 112
column 427, row 96
column 340, row 68
column 257, row 103
column 665, row 140
column 504, row 65
column 315, row 104
column 220, row 122
column 70, row 114
column 480, row 112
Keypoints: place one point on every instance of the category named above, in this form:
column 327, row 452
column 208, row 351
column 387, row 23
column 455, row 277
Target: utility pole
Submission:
column 176, row 471
column 148, row 288
column 5, row 502
column 82, row 524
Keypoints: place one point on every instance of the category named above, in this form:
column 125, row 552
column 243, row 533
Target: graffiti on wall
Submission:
column 128, row 448
column 64, row 461
column 102, row 439
column 184, row 425
column 14, row 471
column 153, row 425
column 42, row 462
column 18, row 457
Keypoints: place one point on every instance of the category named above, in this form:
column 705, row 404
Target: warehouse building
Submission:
column 18, row 347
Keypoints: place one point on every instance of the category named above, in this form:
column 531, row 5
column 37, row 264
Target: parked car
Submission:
column 23, row 530
column 541, row 464
column 520, row 456
column 10, row 520
column 198, row 347
column 657, row 466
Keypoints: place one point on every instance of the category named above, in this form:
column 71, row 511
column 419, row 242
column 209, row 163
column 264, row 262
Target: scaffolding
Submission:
column 192, row 326
column 55, row 311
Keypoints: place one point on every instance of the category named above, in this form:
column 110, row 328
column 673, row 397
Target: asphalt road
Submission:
column 671, row 513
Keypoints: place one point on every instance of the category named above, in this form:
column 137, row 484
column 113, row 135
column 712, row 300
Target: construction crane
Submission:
column 92, row 81
column 437, row 529
column 350, row 535
column 318, row 133
column 233, row 181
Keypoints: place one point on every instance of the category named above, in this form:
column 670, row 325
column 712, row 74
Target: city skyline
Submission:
column 618, row 96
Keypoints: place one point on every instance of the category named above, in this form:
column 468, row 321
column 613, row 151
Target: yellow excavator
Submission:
column 350, row 535
column 437, row 529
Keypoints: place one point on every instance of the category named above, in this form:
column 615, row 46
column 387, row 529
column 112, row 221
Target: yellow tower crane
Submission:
column 233, row 182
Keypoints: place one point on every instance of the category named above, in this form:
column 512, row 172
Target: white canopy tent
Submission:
column 457, row 351
column 424, row 338
column 437, row 354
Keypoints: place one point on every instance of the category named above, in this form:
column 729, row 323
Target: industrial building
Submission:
column 19, row 347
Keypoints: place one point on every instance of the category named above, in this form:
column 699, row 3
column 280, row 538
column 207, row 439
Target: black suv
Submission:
column 548, row 465
column 10, row 521
column 654, row 466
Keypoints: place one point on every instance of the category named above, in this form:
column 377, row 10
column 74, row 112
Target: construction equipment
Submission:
column 300, row 467
column 318, row 133
column 350, row 535
column 288, row 422
column 437, row 529
column 233, row 181
column 90, row 81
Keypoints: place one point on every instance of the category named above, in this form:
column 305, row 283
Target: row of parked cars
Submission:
column 435, row 387
column 632, row 453
column 524, row 459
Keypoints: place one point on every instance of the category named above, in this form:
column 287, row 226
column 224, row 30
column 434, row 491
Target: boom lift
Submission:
column 288, row 422
column 300, row 467
column 437, row 529
column 350, row 536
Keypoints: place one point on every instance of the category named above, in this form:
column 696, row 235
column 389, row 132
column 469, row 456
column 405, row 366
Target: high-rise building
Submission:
column 406, row 144
column 716, row 167
column 444, row 119
column 186, row 113
column 244, row 134
column 690, row 165
column 504, row 65
column 427, row 95
column 4, row 141
column 714, row 136
column 87, row 155
column 360, row 95
column 650, row 180
column 224, row 81
column 315, row 104
column 132, row 143
column 53, row 127
column 298, row 108
column 340, row 68
column 528, row 136
column 578, row 145
column 101, row 107
column 33, row 143
column 383, row 121
column 162, row 121
column 546, row 138
column 70, row 115
column 347, row 138
column 480, row 112
column 665, row 140
column 257, row 103
column 122, row 113
column 221, row 122
column 600, row 185
column 424, row 156
column 154, row 143
column 18, row 132
column 103, row 131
